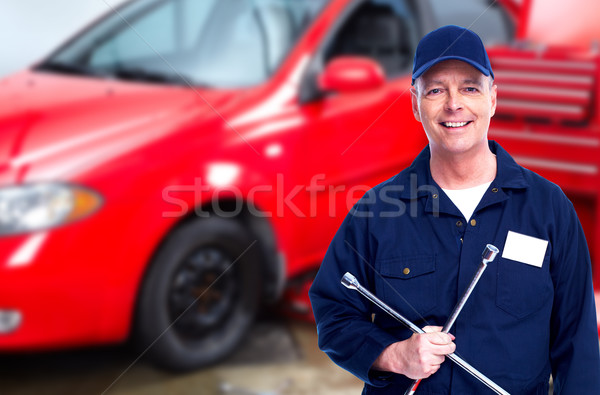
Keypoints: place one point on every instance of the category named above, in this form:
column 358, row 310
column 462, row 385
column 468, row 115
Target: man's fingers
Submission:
column 436, row 359
column 439, row 338
column 444, row 349
column 438, row 343
column 435, row 368
column 431, row 369
column 431, row 329
column 436, row 336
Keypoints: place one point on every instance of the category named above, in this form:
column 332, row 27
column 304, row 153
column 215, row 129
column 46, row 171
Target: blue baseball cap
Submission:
column 450, row 42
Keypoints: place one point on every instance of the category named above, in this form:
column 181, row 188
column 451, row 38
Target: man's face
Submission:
column 454, row 101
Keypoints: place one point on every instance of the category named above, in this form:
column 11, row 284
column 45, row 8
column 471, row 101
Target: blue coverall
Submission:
column 409, row 244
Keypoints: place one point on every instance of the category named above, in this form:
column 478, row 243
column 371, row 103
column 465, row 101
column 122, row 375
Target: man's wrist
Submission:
column 388, row 360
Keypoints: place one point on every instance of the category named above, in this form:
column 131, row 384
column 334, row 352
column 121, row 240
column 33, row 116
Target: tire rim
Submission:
column 203, row 293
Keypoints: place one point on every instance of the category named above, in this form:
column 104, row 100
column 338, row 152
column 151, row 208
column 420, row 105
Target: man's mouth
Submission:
column 455, row 124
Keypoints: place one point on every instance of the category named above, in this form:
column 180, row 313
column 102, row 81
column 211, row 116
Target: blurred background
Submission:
column 178, row 176
column 31, row 29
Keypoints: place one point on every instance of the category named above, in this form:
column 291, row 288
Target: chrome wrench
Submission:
column 488, row 255
column 350, row 282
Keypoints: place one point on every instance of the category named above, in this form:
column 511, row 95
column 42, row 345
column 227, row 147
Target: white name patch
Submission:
column 525, row 249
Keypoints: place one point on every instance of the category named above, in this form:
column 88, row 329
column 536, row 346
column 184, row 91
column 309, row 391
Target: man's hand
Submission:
column 419, row 356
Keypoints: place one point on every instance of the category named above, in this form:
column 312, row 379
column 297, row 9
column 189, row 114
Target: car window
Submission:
column 218, row 43
column 152, row 32
column 384, row 30
column 487, row 18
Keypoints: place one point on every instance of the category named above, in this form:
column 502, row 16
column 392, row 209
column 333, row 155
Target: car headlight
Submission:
column 28, row 208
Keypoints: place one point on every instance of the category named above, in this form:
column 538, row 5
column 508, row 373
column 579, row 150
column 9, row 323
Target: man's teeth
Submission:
column 455, row 124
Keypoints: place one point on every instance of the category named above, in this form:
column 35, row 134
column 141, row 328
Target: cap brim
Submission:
column 435, row 61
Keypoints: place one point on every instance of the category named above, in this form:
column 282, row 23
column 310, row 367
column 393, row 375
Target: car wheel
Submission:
column 200, row 295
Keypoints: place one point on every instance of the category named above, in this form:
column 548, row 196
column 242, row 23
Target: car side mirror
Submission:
column 351, row 74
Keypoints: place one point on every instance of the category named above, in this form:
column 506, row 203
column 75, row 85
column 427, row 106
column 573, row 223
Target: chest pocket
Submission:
column 408, row 284
column 523, row 289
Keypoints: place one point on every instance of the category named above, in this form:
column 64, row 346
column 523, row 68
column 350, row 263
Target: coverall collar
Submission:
column 509, row 175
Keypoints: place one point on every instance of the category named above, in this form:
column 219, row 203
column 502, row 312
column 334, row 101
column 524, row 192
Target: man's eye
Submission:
column 434, row 91
column 471, row 89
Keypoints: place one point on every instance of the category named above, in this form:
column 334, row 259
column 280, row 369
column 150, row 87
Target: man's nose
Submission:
column 453, row 101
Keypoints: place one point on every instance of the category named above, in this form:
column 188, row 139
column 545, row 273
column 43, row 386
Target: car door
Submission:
column 358, row 139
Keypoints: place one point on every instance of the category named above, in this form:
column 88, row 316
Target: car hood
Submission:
column 53, row 125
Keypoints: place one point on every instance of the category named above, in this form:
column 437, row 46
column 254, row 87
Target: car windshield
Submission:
column 214, row 43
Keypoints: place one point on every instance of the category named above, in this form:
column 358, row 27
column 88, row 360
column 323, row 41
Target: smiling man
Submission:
column 532, row 314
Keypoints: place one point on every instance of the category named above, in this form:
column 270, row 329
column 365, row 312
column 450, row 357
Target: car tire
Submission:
column 200, row 295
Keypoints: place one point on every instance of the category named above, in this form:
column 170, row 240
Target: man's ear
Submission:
column 414, row 98
column 493, row 94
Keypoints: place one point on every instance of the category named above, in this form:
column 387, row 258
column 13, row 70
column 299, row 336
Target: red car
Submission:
column 176, row 164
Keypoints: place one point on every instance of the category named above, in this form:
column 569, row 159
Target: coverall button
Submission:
column 494, row 190
column 406, row 270
column 435, row 196
column 473, row 222
column 458, row 223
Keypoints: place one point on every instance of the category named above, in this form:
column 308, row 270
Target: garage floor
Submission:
column 280, row 358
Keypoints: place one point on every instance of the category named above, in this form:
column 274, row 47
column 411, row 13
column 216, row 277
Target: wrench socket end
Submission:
column 349, row 281
column 489, row 253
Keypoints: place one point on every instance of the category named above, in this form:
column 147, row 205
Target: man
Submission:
column 416, row 242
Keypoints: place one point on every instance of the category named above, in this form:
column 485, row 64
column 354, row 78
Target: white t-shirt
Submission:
column 467, row 199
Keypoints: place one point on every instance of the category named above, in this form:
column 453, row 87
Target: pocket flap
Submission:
column 408, row 266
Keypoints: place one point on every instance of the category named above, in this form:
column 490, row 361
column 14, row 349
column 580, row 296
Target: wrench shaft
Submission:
column 459, row 306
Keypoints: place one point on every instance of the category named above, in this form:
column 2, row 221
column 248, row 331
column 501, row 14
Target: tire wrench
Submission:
column 350, row 282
